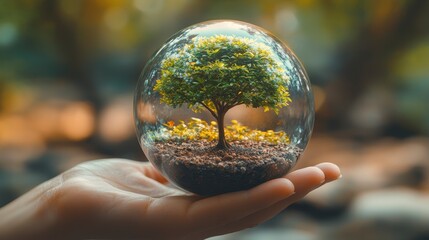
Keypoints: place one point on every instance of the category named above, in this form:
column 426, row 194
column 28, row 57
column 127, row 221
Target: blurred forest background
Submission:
column 68, row 69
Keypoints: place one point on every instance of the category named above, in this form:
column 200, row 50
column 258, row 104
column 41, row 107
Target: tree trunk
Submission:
column 222, row 143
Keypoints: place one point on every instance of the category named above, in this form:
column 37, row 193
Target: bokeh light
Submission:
column 68, row 70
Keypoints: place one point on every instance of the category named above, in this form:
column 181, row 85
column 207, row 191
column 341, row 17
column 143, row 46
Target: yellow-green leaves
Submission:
column 217, row 73
column 223, row 71
column 197, row 129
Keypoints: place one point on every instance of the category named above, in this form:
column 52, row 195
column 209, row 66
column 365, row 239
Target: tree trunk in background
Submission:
column 72, row 51
column 371, row 54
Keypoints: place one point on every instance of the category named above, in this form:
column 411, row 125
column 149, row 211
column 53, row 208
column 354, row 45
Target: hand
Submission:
column 127, row 199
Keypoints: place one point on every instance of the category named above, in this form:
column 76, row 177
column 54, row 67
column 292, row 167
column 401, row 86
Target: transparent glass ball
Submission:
column 223, row 106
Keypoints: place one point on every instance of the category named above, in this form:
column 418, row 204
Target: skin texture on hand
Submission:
column 123, row 199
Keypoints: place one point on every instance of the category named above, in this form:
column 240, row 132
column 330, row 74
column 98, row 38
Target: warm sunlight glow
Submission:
column 116, row 121
column 77, row 121
column 319, row 97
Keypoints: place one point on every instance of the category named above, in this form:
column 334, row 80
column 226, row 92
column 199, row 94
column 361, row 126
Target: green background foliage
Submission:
column 367, row 62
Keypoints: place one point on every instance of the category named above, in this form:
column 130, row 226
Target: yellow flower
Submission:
column 197, row 129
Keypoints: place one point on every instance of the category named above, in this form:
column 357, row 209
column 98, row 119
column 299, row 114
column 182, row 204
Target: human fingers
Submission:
column 332, row 171
column 304, row 180
column 218, row 210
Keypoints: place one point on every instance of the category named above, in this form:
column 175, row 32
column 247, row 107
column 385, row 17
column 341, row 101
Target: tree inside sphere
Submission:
column 223, row 106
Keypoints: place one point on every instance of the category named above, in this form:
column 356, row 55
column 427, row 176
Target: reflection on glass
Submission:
column 223, row 106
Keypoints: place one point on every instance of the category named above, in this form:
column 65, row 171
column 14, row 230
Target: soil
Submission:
column 198, row 167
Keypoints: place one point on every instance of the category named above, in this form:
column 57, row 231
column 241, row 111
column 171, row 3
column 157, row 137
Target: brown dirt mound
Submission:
column 200, row 168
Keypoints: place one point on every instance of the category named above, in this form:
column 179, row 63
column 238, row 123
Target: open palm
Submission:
column 124, row 199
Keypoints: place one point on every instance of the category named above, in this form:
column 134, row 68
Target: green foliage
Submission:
column 220, row 72
column 197, row 129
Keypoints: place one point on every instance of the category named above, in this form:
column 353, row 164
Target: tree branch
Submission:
column 211, row 111
column 235, row 104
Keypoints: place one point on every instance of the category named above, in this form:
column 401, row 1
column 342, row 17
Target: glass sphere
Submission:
column 223, row 106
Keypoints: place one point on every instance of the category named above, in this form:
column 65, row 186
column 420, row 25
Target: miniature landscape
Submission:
column 215, row 74
column 188, row 155
column 68, row 75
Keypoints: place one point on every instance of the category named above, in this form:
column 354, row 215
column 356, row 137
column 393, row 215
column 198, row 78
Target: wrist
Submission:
column 29, row 216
